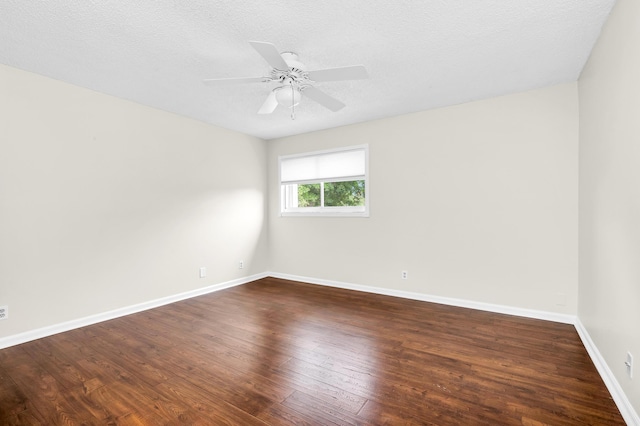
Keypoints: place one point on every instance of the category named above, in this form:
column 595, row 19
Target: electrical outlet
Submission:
column 4, row 312
column 241, row 264
column 203, row 272
column 404, row 275
column 629, row 364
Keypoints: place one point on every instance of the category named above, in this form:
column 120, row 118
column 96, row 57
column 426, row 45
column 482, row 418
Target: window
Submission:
column 325, row 183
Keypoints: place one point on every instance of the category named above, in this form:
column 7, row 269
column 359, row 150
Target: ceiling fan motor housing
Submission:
column 296, row 75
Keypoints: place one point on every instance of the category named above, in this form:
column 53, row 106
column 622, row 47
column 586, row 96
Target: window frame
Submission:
column 287, row 190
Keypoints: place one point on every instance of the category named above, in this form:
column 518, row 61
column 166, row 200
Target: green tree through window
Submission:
column 336, row 194
column 344, row 193
column 309, row 195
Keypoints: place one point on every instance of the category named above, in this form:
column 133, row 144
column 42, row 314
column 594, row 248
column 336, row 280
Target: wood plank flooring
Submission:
column 279, row 352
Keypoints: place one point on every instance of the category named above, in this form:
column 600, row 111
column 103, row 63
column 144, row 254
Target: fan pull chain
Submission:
column 293, row 104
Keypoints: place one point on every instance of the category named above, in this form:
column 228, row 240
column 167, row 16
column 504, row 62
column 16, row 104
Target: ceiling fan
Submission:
column 294, row 80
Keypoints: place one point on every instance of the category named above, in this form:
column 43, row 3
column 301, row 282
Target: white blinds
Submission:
column 323, row 166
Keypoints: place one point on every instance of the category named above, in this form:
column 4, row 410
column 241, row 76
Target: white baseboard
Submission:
column 39, row 333
column 619, row 397
column 501, row 309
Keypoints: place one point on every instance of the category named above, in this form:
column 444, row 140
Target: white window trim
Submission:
column 342, row 211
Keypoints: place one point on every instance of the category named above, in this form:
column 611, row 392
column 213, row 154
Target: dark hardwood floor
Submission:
column 279, row 352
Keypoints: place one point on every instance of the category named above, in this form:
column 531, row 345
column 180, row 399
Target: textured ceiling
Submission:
column 420, row 54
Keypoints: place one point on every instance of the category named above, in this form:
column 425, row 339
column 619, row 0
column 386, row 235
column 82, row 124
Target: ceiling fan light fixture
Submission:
column 288, row 96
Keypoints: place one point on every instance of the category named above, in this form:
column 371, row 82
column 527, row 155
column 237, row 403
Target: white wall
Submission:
column 609, row 304
column 477, row 201
column 105, row 203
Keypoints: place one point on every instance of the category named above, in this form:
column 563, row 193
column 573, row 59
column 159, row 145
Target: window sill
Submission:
column 324, row 214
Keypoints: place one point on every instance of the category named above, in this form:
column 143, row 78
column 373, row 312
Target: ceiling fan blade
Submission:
column 221, row 81
column 270, row 54
column 269, row 104
column 323, row 99
column 355, row 72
